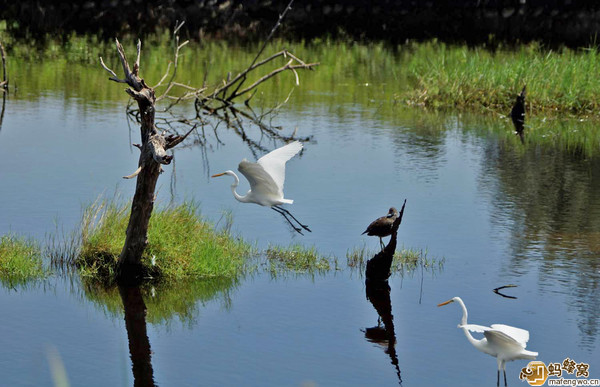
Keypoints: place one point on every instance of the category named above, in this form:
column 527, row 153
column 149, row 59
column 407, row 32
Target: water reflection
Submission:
column 548, row 200
column 378, row 293
column 3, row 108
column 499, row 291
column 155, row 304
column 166, row 303
column 139, row 345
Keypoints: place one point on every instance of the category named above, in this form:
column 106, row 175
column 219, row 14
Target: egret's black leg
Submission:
column 298, row 230
column 293, row 217
column 505, row 378
column 498, row 379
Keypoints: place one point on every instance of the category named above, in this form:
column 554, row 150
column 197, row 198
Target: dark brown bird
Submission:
column 518, row 114
column 382, row 227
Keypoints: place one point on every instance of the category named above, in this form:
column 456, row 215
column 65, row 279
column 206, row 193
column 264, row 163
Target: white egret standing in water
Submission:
column 504, row 342
column 266, row 178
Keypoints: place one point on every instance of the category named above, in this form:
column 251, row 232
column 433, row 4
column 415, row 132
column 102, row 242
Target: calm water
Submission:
column 497, row 213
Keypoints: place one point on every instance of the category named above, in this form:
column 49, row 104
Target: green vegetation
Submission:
column 387, row 82
column 20, row 261
column 477, row 78
column 298, row 258
column 405, row 260
column 181, row 244
column 430, row 74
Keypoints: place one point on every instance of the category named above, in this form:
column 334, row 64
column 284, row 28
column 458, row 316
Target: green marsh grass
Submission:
column 385, row 82
column 431, row 74
column 20, row 260
column 558, row 81
column 298, row 259
column 405, row 261
column 181, row 244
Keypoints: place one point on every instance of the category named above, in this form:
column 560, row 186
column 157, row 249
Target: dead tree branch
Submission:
column 4, row 81
column 209, row 101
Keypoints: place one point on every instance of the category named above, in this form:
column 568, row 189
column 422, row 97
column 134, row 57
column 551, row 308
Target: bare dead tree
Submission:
column 153, row 154
column 4, row 81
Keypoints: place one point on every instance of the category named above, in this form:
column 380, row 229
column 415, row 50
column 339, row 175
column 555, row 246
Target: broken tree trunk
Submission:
column 152, row 154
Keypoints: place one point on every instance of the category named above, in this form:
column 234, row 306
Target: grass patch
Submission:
column 298, row 259
column 405, row 260
column 20, row 261
column 181, row 243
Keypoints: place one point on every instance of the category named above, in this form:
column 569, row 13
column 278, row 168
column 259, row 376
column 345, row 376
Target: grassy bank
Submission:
column 20, row 260
column 181, row 244
column 476, row 78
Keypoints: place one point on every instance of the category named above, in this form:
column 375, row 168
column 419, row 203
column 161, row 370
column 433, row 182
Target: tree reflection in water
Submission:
column 155, row 304
column 139, row 345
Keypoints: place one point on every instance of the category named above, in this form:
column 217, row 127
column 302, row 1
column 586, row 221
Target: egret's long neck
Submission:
column 236, row 182
column 463, row 322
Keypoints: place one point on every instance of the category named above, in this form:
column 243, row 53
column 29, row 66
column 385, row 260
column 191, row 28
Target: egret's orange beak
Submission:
column 218, row 174
column 445, row 303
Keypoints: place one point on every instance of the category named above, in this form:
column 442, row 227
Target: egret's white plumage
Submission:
column 267, row 177
column 504, row 342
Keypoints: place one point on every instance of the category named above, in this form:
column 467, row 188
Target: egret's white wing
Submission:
column 520, row 335
column 475, row 327
column 261, row 183
column 274, row 162
column 501, row 339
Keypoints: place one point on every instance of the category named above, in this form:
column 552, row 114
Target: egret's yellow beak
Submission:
column 218, row 174
column 445, row 303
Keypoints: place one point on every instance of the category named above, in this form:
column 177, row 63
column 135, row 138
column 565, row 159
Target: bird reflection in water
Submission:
column 139, row 345
column 517, row 114
column 378, row 293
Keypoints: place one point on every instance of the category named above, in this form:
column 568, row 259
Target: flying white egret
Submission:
column 504, row 342
column 266, row 178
